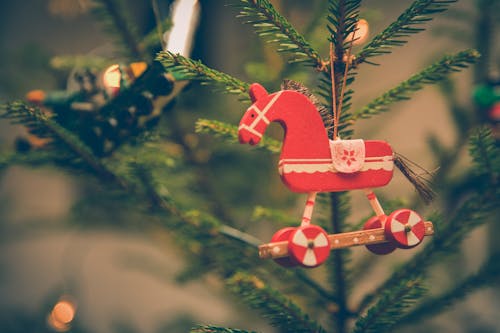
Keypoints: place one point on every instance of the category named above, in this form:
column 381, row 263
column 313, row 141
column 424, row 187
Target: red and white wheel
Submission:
column 382, row 248
column 405, row 227
column 284, row 235
column 309, row 245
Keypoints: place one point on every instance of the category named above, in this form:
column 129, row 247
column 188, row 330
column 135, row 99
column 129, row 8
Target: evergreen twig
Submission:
column 488, row 273
column 471, row 214
column 390, row 308
column 40, row 124
column 281, row 312
column 183, row 68
column 408, row 23
column 273, row 26
column 433, row 74
column 230, row 134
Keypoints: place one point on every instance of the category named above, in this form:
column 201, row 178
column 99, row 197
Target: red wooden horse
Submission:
column 311, row 163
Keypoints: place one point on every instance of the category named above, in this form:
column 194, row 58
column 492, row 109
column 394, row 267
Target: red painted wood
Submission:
column 382, row 248
column 405, row 227
column 309, row 245
column 306, row 158
column 284, row 235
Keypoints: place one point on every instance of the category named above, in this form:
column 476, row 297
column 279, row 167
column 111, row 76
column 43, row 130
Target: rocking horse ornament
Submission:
column 310, row 163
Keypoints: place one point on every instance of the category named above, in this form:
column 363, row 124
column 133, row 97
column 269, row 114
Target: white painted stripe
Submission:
column 251, row 130
column 300, row 239
column 261, row 115
column 320, row 240
column 327, row 167
column 310, row 258
column 413, row 219
column 397, row 226
column 412, row 239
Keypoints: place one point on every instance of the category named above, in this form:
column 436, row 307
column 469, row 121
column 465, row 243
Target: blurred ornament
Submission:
column 487, row 97
column 62, row 314
column 360, row 34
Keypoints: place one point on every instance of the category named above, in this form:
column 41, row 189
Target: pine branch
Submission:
column 275, row 28
column 430, row 75
column 183, row 68
column 487, row 274
column 230, row 134
column 408, row 23
column 214, row 329
column 42, row 125
column 116, row 22
column 281, row 312
column 283, row 218
column 485, row 154
column 390, row 308
column 342, row 19
column 471, row 214
column 31, row 158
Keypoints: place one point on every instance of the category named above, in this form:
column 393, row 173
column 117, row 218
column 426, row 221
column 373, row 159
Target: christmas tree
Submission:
column 159, row 157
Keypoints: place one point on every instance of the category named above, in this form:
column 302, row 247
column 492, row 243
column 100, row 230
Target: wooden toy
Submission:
column 311, row 163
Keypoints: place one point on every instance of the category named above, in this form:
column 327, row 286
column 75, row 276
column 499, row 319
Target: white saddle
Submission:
column 348, row 156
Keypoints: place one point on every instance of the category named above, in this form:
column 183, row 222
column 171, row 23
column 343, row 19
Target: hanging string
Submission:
column 334, row 91
column 337, row 111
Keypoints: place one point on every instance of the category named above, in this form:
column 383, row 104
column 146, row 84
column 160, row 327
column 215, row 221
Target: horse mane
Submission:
column 324, row 112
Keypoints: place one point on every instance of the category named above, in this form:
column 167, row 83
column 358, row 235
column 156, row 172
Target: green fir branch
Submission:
column 214, row 329
column 230, row 134
column 272, row 26
column 449, row 234
column 390, row 308
column 408, row 23
column 485, row 154
column 116, row 22
column 430, row 75
column 487, row 274
column 42, row 125
column 471, row 214
column 342, row 18
column 281, row 312
column 183, row 68
column 280, row 217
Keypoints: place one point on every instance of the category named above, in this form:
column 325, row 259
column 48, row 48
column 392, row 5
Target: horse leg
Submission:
column 308, row 210
column 375, row 222
column 377, row 208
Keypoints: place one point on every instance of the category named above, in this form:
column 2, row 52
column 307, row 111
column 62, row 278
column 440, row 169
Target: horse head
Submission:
column 254, row 122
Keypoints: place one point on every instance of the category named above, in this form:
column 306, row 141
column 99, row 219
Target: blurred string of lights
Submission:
column 185, row 17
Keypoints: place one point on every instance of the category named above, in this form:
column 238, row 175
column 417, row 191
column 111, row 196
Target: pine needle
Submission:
column 229, row 133
column 272, row 26
column 281, row 312
column 433, row 74
column 408, row 23
column 183, row 68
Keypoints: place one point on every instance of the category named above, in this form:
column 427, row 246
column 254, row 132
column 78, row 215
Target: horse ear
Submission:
column 256, row 92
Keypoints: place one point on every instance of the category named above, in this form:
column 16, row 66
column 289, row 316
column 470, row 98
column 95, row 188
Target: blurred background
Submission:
column 63, row 239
